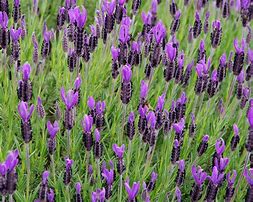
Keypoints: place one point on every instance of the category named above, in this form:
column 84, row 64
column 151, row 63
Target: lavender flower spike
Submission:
column 144, row 90
column 52, row 129
column 199, row 175
column 87, row 123
column 248, row 174
column 98, row 195
column 216, row 178
column 178, row 194
column 91, row 103
column 15, row 34
column 132, row 192
column 220, row 146
column 108, row 175
column 26, row 69
column 126, row 73
column 160, row 103
column 118, row 150
column 45, row 176
column 25, row 111
column 80, row 16
column 70, row 100
column 231, row 178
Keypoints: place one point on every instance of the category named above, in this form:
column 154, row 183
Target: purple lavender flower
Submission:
column 178, row 194
column 239, row 57
column 221, row 164
column 25, row 111
column 100, row 110
column 197, row 26
column 180, row 172
column 70, row 99
column 98, row 195
column 220, row 146
column 159, row 32
column 203, row 145
column 68, row 171
column 132, row 191
column 78, row 194
column 119, row 150
column 130, row 128
column 179, row 128
column 87, row 123
column 16, row 11
column 206, row 23
column 216, row 34
column 53, row 129
column 126, row 86
column 50, row 195
column 230, row 188
column 199, row 177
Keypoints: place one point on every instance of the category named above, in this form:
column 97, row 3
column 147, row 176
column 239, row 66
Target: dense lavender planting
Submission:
column 126, row 100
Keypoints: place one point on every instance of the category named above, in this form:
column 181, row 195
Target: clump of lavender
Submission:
column 248, row 174
column 126, row 85
column 239, row 57
column 52, row 129
column 203, row 145
column 235, row 139
column 78, row 194
column 24, row 90
column 230, row 186
column 98, row 195
column 44, row 189
column 180, row 173
column 40, row 108
column 216, row 34
column 213, row 186
column 108, row 175
column 132, row 191
column 87, row 123
column 68, row 171
column 100, row 112
column 199, row 177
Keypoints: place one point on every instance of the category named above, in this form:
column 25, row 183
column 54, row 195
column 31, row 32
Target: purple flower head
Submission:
column 25, row 111
column 236, row 130
column 91, row 103
column 87, row 123
column 199, row 70
column 190, row 66
column 45, row 176
column 154, row 176
column 251, row 103
column 181, row 165
column 146, row 18
column 205, row 66
column 68, row 163
column 12, row 160
column 50, row 195
column 223, row 59
column 121, row 2
column 132, row 191
column 52, row 129
column 16, row 3
column 202, row 46
column 220, row 146
column 214, row 76
column 176, row 143
column 250, row 55
column 100, row 107
column 159, row 32
column 26, row 70
column 124, row 36
column 221, row 163
column 248, row 174
column 4, row 20
column 144, row 90
column 131, row 117
column 90, row 169
column 179, row 127
column 216, row 178
column 126, row 21
column 15, row 34
column 80, row 16
column 72, row 17
column 170, row 51
column 177, row 15
column 245, row 4
column 199, row 175
column 205, row 138
column 151, row 118
column 246, row 92
column 154, row 5
column 136, row 46
column 231, row 178
column 238, row 49
column 3, row 169
column 126, row 73
column 115, row 53
column 207, row 15
column 178, row 194
column 216, row 24
column 250, row 116
column 240, row 77
column 47, row 35
column 108, row 176
column 71, row 99
column 98, row 195
column 78, row 187
column 197, row 17
column 118, row 150
column 183, row 99
column 160, row 102
column 181, row 60
column 97, row 135
column 93, row 30
column 78, row 82
column 143, row 111
column 110, row 7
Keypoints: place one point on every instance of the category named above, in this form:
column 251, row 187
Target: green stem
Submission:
column 68, row 143
column 28, row 170
column 53, row 167
column 3, row 198
column 120, row 188
column 11, row 198
column 128, row 156
column 123, row 123
column 68, row 194
column 99, row 173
